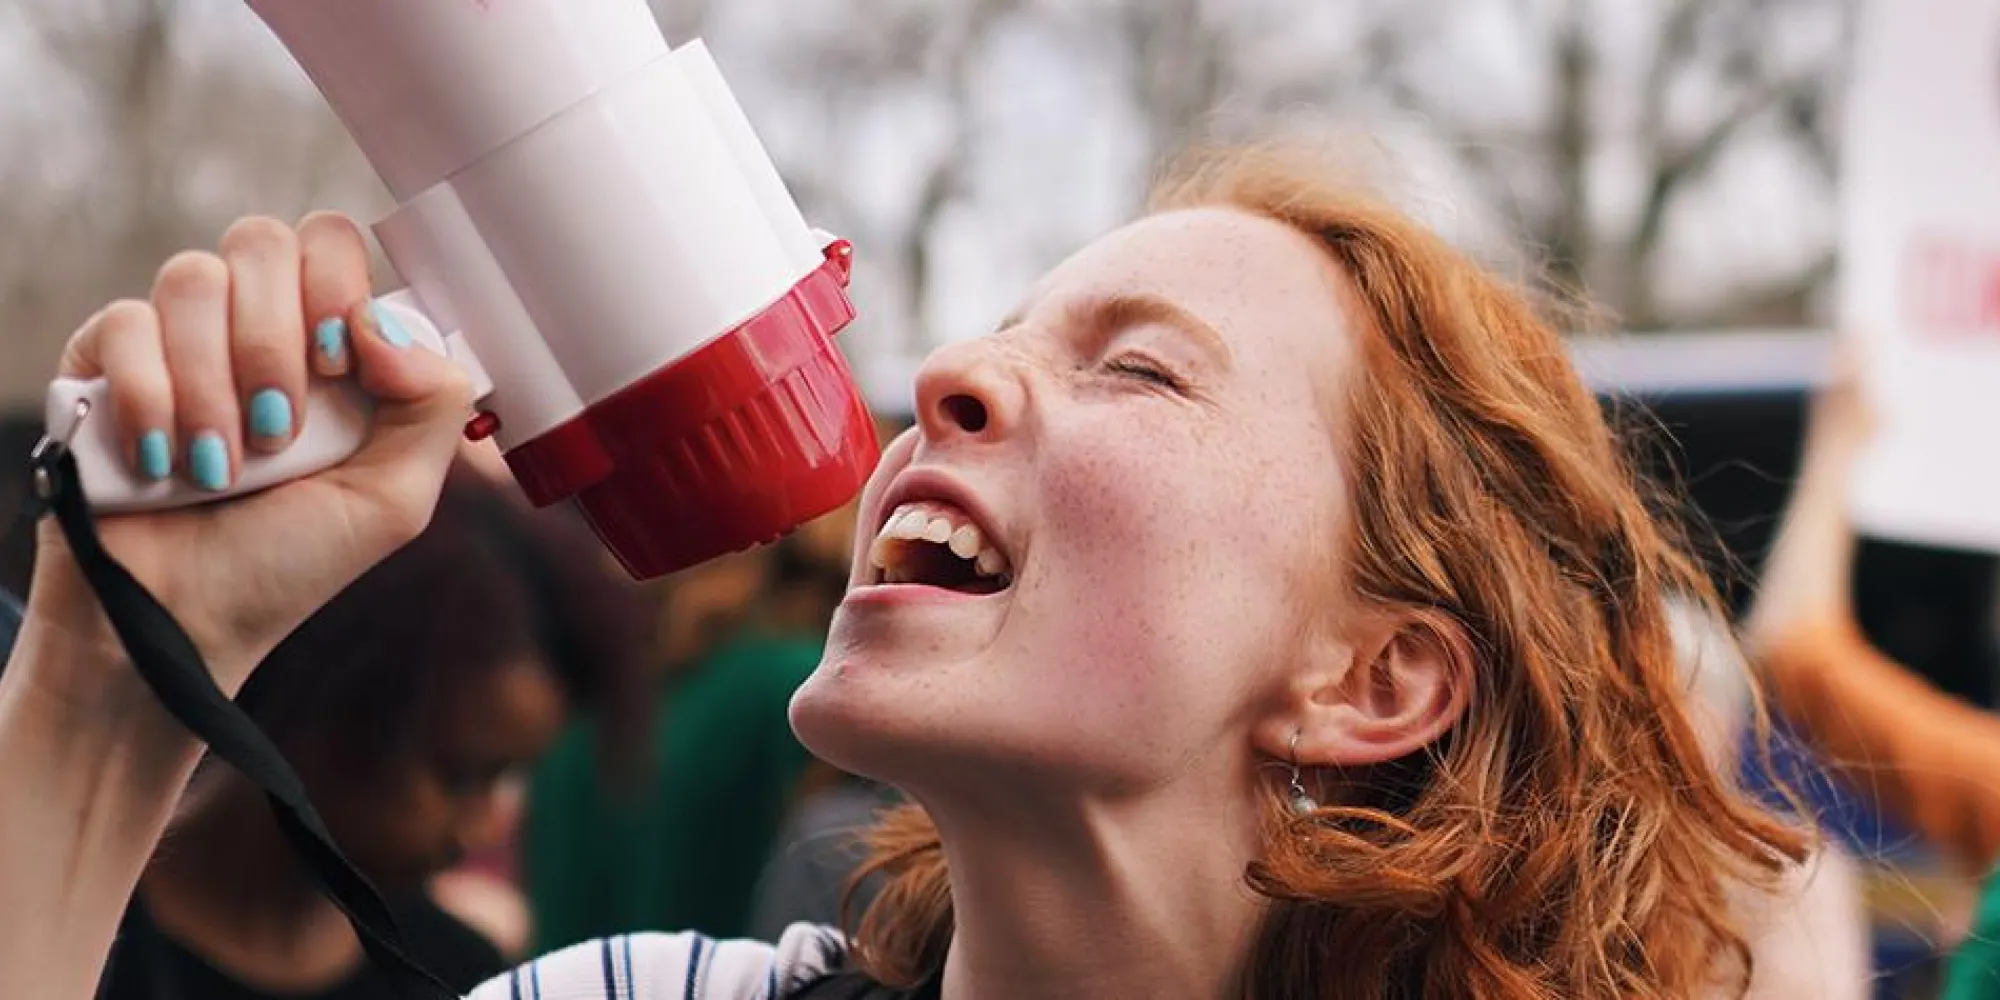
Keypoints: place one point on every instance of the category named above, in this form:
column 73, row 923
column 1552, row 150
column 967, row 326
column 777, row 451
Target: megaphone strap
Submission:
column 172, row 667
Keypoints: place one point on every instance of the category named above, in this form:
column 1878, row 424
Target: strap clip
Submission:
column 50, row 450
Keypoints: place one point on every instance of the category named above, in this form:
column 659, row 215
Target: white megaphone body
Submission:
column 589, row 226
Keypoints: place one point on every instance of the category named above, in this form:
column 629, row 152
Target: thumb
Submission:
column 422, row 401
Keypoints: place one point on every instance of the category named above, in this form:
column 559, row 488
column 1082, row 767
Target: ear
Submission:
column 1393, row 685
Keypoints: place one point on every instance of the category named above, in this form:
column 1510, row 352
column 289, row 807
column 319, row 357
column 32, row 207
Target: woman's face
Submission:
column 461, row 792
column 1147, row 445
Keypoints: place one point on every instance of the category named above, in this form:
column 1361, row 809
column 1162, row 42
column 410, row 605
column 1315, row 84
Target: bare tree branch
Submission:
column 1179, row 67
column 1569, row 236
column 1679, row 36
column 1676, row 167
column 1778, row 301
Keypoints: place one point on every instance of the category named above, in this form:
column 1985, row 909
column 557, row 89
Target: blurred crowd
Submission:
column 528, row 750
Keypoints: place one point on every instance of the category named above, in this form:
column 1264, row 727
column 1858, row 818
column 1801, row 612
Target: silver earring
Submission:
column 1301, row 803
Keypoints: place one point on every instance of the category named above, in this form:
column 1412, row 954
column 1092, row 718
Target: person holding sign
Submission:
column 1926, row 759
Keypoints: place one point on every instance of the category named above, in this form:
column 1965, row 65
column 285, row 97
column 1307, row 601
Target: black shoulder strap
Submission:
column 171, row 666
column 852, row 985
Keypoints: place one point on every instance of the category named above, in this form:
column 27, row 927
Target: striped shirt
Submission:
column 684, row 966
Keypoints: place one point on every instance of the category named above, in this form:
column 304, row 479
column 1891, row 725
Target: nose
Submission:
column 969, row 390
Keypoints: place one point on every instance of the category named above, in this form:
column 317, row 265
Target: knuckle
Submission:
column 258, row 237
column 457, row 388
column 124, row 317
column 260, row 360
column 141, row 393
column 95, row 343
column 192, row 274
column 332, row 226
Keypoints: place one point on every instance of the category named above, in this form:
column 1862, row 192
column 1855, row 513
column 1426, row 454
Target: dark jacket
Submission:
column 10, row 624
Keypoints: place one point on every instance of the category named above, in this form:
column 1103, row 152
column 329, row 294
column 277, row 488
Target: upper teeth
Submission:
column 941, row 524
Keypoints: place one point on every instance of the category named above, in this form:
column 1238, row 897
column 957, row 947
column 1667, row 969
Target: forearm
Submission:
column 1928, row 760
column 93, row 769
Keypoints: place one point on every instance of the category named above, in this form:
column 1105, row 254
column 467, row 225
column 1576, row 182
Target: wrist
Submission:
column 1793, row 624
column 87, row 661
column 94, row 768
column 70, row 669
column 1800, row 660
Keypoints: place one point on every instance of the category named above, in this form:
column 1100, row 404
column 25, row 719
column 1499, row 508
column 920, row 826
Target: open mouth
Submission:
column 935, row 544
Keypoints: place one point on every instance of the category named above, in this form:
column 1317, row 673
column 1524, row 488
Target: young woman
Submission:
column 1314, row 641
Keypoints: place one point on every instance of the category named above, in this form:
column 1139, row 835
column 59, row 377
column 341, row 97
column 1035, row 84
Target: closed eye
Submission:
column 1144, row 370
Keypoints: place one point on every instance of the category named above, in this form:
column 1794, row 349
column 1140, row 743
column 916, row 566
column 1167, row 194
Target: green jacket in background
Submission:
column 1974, row 972
column 684, row 850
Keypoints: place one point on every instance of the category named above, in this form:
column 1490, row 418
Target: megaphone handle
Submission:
column 336, row 418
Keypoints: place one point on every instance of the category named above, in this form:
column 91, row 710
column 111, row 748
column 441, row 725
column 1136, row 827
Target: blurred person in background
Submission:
column 18, row 434
column 484, row 888
column 10, row 620
column 1928, row 760
column 411, row 706
column 683, row 844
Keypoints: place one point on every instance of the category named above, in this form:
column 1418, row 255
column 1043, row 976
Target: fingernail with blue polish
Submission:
column 331, row 338
column 208, row 461
column 155, row 462
column 391, row 330
column 270, row 414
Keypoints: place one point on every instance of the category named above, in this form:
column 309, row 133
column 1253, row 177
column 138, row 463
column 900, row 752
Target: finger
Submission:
column 191, row 295
column 422, row 403
column 266, row 329
column 122, row 344
column 334, row 264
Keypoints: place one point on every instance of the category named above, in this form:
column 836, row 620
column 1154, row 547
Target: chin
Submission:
column 856, row 722
column 899, row 722
column 829, row 729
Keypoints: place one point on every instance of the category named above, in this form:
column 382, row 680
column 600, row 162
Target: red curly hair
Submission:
column 1568, row 839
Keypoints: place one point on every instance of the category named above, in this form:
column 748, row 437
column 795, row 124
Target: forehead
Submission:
column 507, row 713
column 1273, row 294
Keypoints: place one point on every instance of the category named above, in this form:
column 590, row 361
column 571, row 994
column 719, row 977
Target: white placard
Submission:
column 1920, row 267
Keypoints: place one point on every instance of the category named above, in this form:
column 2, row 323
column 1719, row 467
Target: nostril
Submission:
column 965, row 411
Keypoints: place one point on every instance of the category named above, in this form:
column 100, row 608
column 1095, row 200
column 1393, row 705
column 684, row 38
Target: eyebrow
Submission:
column 1104, row 314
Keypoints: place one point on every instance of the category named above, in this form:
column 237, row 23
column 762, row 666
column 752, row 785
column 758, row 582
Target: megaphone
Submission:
column 590, row 227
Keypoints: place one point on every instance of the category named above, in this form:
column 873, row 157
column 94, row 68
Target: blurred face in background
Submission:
column 458, row 789
column 415, row 701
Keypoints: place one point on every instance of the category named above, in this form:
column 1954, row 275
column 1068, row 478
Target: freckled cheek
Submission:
column 1109, row 509
column 1151, row 554
column 1144, row 499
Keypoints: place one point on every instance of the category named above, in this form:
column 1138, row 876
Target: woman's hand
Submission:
column 214, row 366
